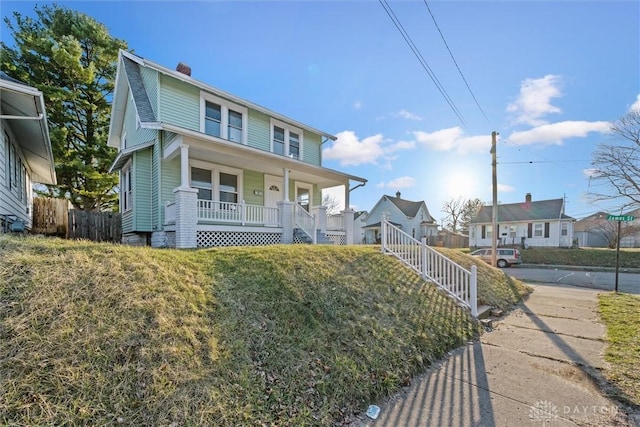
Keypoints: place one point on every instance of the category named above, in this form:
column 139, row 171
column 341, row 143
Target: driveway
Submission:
column 605, row 281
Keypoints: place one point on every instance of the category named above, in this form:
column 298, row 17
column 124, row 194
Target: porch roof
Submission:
column 227, row 153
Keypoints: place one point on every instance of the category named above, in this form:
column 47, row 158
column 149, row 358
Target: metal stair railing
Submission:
column 460, row 283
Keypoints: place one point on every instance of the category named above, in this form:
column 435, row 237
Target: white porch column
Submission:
column 285, row 185
column 186, row 217
column 286, row 220
column 320, row 212
column 346, row 196
column 347, row 220
column 184, row 166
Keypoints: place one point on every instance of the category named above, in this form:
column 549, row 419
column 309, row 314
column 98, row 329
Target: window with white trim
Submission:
column 564, row 229
column 286, row 140
column 216, row 183
column 223, row 119
column 126, row 189
column 489, row 231
column 537, row 229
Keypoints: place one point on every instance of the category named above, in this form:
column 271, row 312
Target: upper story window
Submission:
column 223, row 119
column 286, row 140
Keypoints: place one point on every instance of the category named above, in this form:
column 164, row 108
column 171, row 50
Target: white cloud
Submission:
column 555, row 133
column 404, row 114
column 534, row 101
column 504, row 188
column 357, row 105
column 401, row 114
column 398, row 183
column 636, row 105
column 352, row 152
column 453, row 139
column 590, row 172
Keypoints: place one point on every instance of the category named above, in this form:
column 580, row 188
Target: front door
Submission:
column 273, row 191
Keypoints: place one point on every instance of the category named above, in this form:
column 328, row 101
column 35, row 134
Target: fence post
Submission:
column 314, row 232
column 474, row 291
column 383, row 230
column 423, row 257
column 243, row 212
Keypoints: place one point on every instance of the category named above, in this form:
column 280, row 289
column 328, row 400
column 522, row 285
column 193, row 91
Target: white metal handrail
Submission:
column 457, row 281
column 305, row 221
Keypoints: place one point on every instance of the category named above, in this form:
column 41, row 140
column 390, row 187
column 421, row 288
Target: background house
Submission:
column 533, row 224
column 25, row 151
column 412, row 217
column 593, row 231
column 202, row 167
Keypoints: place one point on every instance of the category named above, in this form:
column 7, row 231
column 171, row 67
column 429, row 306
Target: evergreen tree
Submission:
column 72, row 59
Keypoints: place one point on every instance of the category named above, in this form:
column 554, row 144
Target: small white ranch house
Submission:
column 530, row 224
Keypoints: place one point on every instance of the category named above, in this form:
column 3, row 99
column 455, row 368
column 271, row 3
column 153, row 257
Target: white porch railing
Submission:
column 459, row 283
column 242, row 213
column 335, row 222
column 305, row 222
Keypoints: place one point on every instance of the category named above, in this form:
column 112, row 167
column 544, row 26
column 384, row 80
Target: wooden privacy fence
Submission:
column 50, row 216
column 96, row 226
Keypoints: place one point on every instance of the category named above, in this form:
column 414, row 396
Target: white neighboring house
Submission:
column 412, row 217
column 25, row 152
column 535, row 224
column 631, row 236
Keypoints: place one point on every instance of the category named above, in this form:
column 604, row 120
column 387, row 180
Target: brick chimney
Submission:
column 527, row 198
column 183, row 68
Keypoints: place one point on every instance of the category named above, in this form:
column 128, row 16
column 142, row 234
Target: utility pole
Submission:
column 494, row 210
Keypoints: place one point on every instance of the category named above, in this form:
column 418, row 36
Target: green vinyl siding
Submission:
column 253, row 180
column 311, row 149
column 135, row 136
column 170, row 178
column 179, row 103
column 155, row 185
column 150, row 80
column 317, row 196
column 142, row 184
column 127, row 222
column 259, row 132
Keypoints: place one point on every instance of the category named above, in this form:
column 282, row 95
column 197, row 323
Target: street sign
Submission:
column 620, row 218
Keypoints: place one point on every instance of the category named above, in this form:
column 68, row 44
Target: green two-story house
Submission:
column 201, row 167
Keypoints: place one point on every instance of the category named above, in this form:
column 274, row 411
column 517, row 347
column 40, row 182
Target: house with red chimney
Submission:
column 527, row 224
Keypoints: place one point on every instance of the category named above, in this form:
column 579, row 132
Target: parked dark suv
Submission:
column 506, row 256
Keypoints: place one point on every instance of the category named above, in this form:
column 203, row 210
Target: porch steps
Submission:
column 321, row 238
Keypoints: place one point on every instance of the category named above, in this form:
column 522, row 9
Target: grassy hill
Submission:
column 100, row 334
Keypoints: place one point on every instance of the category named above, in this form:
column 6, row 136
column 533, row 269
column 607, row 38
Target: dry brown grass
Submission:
column 99, row 334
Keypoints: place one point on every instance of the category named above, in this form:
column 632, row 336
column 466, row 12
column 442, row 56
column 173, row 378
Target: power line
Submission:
column 421, row 59
column 456, row 62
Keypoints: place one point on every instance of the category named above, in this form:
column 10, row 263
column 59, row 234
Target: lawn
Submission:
column 101, row 334
column 621, row 315
column 591, row 257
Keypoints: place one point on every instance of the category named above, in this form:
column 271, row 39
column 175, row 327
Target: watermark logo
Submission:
column 543, row 411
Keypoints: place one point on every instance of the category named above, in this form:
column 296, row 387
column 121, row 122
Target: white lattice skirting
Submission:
column 207, row 239
column 338, row 239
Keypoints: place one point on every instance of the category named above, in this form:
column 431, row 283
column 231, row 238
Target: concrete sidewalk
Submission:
column 539, row 366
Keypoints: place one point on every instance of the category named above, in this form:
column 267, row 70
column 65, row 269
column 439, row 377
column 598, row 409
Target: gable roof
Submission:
column 128, row 77
column 542, row 210
column 590, row 222
column 408, row 208
column 23, row 107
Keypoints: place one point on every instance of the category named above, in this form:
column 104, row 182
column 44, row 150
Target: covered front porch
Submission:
column 230, row 194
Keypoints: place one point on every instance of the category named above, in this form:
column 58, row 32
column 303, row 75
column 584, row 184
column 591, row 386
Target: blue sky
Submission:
column 549, row 76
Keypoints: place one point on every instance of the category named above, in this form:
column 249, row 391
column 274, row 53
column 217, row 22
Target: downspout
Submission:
column 347, row 201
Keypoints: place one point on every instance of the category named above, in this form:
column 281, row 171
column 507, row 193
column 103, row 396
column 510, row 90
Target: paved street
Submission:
column 627, row 282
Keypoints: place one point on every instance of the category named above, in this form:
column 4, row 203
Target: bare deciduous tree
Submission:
column 609, row 231
column 616, row 167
